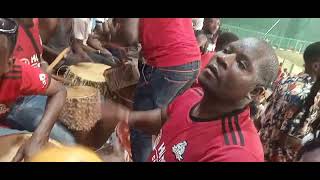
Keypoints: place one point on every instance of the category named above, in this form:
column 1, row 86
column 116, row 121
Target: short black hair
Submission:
column 311, row 53
column 308, row 147
column 224, row 39
column 268, row 69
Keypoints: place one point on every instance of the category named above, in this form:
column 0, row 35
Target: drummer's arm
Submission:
column 56, row 93
column 148, row 121
column 127, row 31
column 77, row 47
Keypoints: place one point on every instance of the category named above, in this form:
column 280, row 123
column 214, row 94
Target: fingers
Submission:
column 19, row 156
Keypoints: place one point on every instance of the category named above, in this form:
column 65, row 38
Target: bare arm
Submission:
column 77, row 47
column 57, row 97
column 96, row 45
column 57, row 94
column 148, row 121
column 127, row 34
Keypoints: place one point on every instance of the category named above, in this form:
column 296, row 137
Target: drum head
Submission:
column 10, row 145
column 81, row 92
column 89, row 71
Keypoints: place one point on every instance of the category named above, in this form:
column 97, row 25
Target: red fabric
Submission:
column 205, row 141
column 205, row 58
column 24, row 50
column 22, row 80
column 168, row 41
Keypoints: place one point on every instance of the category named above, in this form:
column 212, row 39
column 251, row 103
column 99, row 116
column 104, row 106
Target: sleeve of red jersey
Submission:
column 34, row 81
column 231, row 154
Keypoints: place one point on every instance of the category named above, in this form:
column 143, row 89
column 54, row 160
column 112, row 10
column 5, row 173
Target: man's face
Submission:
column 232, row 73
column 201, row 39
column 4, row 54
column 212, row 25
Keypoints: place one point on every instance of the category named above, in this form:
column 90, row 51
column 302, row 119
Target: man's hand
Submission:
column 30, row 148
column 113, row 113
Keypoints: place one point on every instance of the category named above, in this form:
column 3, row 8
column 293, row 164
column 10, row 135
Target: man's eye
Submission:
column 242, row 65
column 226, row 51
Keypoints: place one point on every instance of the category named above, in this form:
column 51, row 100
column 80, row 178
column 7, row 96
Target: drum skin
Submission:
column 10, row 144
column 66, row 154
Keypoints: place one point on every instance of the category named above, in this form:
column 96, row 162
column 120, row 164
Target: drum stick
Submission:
column 58, row 59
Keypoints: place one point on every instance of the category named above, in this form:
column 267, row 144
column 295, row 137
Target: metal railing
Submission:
column 276, row 41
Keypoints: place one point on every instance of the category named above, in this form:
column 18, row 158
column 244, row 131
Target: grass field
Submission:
column 289, row 59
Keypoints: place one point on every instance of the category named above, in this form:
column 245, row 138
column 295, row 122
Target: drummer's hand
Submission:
column 30, row 148
column 114, row 112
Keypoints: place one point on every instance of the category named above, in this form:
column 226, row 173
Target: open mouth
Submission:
column 213, row 68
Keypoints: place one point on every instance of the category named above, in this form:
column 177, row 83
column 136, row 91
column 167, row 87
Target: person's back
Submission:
column 185, row 138
column 62, row 38
column 168, row 41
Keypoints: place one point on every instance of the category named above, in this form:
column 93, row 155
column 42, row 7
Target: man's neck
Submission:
column 210, row 107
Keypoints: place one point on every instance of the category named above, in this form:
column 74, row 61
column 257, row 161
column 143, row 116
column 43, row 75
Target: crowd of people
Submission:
column 204, row 94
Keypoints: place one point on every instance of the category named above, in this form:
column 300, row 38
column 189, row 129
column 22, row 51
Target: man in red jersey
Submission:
column 172, row 64
column 27, row 111
column 19, row 79
column 212, row 124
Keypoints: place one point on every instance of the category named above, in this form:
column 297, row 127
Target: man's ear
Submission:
column 316, row 66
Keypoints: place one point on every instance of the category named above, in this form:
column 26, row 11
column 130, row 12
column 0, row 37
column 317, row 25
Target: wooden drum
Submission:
column 82, row 109
column 87, row 74
column 10, row 145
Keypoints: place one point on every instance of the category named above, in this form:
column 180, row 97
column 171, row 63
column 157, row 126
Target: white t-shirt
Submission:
column 197, row 23
column 82, row 28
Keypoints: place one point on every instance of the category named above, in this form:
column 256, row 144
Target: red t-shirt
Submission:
column 205, row 58
column 22, row 80
column 24, row 50
column 168, row 41
column 230, row 139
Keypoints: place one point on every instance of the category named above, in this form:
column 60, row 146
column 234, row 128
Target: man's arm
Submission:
column 35, row 82
column 148, row 121
column 77, row 47
column 127, row 33
column 57, row 94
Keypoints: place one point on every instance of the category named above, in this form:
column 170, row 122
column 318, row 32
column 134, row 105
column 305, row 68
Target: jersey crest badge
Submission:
column 179, row 150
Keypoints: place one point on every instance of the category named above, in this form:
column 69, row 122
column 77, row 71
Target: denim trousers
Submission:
column 26, row 114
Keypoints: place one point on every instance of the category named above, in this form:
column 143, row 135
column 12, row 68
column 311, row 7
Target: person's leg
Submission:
column 27, row 114
column 143, row 100
column 7, row 131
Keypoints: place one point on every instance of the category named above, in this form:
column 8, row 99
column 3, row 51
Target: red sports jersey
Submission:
column 205, row 58
column 168, row 41
column 22, row 80
column 24, row 50
column 229, row 139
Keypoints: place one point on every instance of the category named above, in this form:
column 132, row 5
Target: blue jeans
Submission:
column 157, row 87
column 26, row 114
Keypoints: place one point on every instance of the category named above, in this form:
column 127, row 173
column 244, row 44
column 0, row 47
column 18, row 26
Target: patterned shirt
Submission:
column 277, row 121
